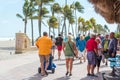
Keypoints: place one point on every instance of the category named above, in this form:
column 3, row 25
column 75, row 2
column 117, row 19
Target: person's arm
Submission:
column 115, row 46
column 75, row 49
column 63, row 45
column 36, row 43
column 95, row 48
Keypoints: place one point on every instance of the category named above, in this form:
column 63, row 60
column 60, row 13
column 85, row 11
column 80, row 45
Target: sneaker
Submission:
column 70, row 74
column 46, row 72
column 66, row 73
column 88, row 74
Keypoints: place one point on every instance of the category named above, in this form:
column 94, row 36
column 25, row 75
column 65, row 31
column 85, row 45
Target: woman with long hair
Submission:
column 68, row 48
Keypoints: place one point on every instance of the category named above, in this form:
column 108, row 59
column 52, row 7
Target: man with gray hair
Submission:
column 112, row 48
column 91, row 47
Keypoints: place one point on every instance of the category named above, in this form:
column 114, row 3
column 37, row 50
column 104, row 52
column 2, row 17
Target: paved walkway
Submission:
column 26, row 68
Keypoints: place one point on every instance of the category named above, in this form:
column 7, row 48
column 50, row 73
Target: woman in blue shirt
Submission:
column 81, row 44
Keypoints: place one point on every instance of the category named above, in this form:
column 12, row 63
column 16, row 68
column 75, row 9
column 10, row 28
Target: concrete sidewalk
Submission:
column 26, row 68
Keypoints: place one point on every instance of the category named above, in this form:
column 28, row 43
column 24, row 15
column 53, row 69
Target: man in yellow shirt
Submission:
column 44, row 45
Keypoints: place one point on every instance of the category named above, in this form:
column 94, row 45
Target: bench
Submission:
column 115, row 65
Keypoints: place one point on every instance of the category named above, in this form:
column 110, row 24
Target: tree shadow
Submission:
column 78, row 63
column 63, row 78
column 35, row 77
column 61, row 64
column 58, row 60
column 100, row 77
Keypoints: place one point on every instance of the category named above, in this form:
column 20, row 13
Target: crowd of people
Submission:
column 93, row 48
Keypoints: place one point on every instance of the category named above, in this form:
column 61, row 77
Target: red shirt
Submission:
column 91, row 44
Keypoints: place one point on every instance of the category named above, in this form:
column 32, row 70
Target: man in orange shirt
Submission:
column 44, row 45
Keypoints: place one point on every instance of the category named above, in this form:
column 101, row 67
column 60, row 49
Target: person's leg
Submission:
column 84, row 56
column 92, row 69
column 88, row 69
column 42, row 64
column 93, row 62
column 67, row 65
column 89, row 63
column 71, row 65
column 47, row 61
column 98, row 65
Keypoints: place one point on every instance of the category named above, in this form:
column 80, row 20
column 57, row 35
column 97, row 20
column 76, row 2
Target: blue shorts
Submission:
column 91, row 58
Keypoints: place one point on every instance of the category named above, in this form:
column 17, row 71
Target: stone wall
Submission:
column 22, row 43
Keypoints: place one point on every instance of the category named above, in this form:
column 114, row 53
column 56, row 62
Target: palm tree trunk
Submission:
column 72, row 30
column 25, row 28
column 40, row 11
column 69, row 28
column 32, row 33
column 76, row 28
column 59, row 25
column 53, row 32
column 63, row 25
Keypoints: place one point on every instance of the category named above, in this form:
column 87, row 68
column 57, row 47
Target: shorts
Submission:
column 44, row 58
column 99, row 61
column 91, row 58
column 81, row 54
column 59, row 48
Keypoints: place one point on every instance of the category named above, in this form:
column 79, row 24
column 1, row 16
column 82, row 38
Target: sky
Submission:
column 10, row 24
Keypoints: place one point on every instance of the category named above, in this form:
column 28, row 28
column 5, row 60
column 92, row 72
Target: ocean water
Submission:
column 7, row 38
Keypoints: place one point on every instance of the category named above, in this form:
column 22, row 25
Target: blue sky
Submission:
column 10, row 24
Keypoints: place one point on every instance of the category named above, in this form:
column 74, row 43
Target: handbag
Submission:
column 74, row 51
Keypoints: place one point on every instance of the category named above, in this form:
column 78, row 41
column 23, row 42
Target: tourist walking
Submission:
column 81, row 45
column 105, row 44
column 112, row 45
column 58, row 43
column 68, row 48
column 53, row 46
column 91, row 47
column 44, row 44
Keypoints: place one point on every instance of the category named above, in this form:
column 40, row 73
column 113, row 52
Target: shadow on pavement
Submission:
column 59, row 60
column 35, row 77
column 77, row 63
column 61, row 64
column 63, row 78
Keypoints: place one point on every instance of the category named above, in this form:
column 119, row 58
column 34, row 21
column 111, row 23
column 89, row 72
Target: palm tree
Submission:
column 106, row 28
column 77, row 7
column 32, row 11
column 71, row 22
column 67, row 13
column 80, row 24
column 40, row 4
column 56, row 9
column 53, row 22
column 25, row 13
column 93, row 23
